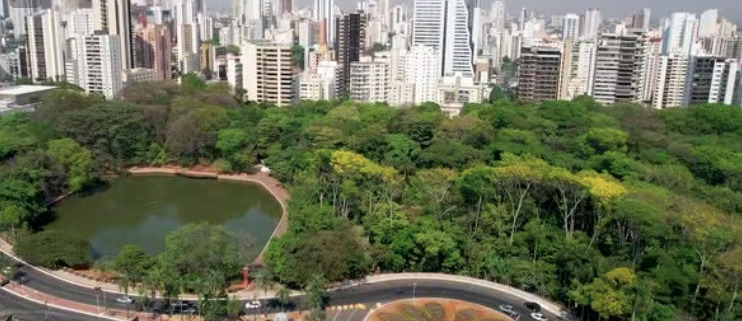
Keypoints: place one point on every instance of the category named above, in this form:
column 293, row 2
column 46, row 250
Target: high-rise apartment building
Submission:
column 620, row 67
column 498, row 15
column 591, row 23
column 422, row 71
column 351, row 33
column 539, row 74
column 672, row 71
column 640, row 20
column 80, row 22
column 46, row 48
column 99, row 67
column 369, row 80
column 234, row 73
column 444, row 25
column 152, row 50
column 324, row 14
column 571, row 26
column 19, row 11
column 679, row 34
column 400, row 20
column 114, row 17
column 712, row 80
column 707, row 23
column 582, row 69
column 268, row 75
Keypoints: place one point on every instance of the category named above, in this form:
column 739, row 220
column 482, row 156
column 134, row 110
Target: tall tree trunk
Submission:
column 734, row 296
column 516, row 213
column 700, row 275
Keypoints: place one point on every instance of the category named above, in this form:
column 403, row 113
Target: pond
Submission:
column 142, row 210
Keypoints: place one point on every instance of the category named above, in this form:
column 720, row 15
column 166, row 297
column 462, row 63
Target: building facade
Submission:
column 620, row 63
column 539, row 74
column 268, row 75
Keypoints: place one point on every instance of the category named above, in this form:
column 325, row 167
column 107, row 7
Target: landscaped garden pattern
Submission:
column 435, row 310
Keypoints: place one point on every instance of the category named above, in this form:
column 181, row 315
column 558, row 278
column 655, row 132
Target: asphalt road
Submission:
column 24, row 310
column 368, row 294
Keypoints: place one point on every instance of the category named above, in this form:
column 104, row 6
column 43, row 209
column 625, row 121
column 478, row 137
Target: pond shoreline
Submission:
column 269, row 183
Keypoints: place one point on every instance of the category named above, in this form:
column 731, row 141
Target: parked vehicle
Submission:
column 255, row 304
column 533, row 306
column 125, row 299
column 509, row 311
column 538, row 316
column 180, row 305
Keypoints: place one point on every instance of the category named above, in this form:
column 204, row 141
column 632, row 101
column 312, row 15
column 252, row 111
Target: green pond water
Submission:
column 142, row 210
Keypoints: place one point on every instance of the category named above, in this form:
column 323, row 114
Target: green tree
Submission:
column 610, row 295
column 133, row 265
column 54, row 249
column 297, row 56
column 197, row 254
column 76, row 160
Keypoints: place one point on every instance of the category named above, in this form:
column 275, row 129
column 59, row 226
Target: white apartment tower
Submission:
column 497, row 15
column 679, row 34
column 100, row 69
column 672, row 71
column 571, row 26
column 707, row 25
column 114, row 17
column 369, row 80
column 444, row 26
column 46, row 48
column 422, row 72
column 234, row 72
column 582, row 69
column 268, row 75
column 400, row 20
column 80, row 22
column 18, row 11
column 591, row 23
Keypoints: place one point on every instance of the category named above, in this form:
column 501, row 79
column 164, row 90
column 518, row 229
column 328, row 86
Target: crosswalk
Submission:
column 358, row 306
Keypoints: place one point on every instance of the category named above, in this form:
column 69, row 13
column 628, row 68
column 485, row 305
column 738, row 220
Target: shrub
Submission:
column 54, row 249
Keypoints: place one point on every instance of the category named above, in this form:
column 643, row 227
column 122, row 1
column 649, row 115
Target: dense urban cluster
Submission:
column 447, row 52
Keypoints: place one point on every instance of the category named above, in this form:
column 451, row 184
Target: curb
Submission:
column 61, row 307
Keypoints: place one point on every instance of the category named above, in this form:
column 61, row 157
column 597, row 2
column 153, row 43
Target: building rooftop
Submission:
column 24, row 89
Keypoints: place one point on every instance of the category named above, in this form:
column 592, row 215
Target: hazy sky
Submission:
column 732, row 9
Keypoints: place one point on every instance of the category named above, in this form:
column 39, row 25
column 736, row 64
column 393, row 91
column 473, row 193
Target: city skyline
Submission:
column 611, row 9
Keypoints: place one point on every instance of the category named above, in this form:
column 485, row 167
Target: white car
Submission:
column 538, row 316
column 125, row 299
column 255, row 304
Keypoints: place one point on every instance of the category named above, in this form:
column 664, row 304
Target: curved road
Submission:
column 369, row 294
column 24, row 310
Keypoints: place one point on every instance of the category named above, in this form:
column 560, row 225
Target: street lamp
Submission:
column 414, row 286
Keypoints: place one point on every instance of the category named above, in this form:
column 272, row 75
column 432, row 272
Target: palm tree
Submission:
column 283, row 297
column 234, row 307
column 154, row 282
column 264, row 282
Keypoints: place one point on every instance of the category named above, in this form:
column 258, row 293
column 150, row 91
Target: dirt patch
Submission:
column 435, row 310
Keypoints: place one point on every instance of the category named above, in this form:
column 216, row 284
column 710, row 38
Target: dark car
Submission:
column 533, row 306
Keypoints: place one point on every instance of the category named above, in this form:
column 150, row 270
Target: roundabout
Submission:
column 434, row 309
